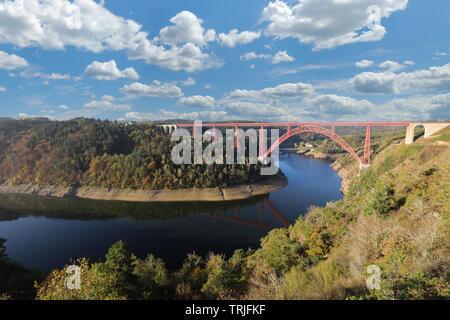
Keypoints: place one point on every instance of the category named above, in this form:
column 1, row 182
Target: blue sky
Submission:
column 290, row 60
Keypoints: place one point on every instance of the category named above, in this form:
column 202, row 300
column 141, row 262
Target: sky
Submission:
column 282, row 60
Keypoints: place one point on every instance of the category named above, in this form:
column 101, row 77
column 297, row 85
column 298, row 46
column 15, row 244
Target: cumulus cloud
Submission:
column 165, row 114
column 392, row 66
column 154, row 90
column 188, row 82
column 280, row 56
column 109, row 71
column 364, row 64
column 282, row 91
column 88, row 25
column 433, row 79
column 197, row 101
column 188, row 57
column 416, row 108
column 331, row 106
column 187, row 28
column 245, row 109
column 63, row 107
column 234, row 37
column 106, row 104
column 2, row 89
column 52, row 76
column 11, row 61
column 108, row 98
column 252, row 55
column 329, row 23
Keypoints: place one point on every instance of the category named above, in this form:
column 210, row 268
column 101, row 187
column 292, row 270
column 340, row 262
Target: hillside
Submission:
column 395, row 216
column 88, row 152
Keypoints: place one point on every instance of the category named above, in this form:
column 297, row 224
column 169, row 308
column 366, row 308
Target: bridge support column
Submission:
column 366, row 158
column 409, row 137
column 261, row 142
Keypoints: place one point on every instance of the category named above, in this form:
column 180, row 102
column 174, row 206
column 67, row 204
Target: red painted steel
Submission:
column 366, row 158
column 296, row 124
column 311, row 129
column 314, row 127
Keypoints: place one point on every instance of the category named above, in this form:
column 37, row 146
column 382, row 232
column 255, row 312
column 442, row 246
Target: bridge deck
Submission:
column 293, row 124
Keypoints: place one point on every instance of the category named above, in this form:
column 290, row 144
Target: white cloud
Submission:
column 331, row 106
column 108, row 98
column 280, row 56
column 188, row 57
column 364, row 64
column 391, row 66
column 422, row 107
column 197, row 101
column 109, row 71
column 88, row 25
column 329, row 23
column 63, row 107
column 56, row 24
column 52, row 76
column 282, row 91
column 11, row 61
column 164, row 115
column 252, row 55
column 107, row 105
column 187, row 28
column 409, row 62
column 432, row 79
column 155, row 90
column 234, row 37
column 2, row 89
column 244, row 110
column 188, row 82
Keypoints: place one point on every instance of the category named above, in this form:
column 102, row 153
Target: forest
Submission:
column 89, row 152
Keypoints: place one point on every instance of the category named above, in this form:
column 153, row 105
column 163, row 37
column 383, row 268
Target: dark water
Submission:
column 45, row 233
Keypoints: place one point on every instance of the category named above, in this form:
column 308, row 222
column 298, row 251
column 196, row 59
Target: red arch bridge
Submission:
column 324, row 128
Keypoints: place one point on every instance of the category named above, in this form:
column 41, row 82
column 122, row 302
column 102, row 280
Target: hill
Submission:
column 88, row 152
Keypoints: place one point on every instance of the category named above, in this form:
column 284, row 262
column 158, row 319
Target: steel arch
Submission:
column 313, row 129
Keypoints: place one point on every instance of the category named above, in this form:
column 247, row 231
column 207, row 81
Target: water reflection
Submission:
column 260, row 224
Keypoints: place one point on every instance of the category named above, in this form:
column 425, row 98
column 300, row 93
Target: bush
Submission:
column 383, row 200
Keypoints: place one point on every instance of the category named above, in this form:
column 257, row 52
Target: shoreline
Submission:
column 242, row 192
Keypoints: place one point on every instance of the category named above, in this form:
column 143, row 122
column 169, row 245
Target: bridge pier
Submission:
column 430, row 129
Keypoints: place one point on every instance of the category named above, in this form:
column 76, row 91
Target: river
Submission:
column 45, row 233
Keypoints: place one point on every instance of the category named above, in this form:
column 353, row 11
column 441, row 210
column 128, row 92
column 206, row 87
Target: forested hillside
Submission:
column 103, row 153
column 395, row 216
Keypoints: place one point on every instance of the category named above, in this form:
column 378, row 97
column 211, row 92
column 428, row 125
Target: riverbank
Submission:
column 320, row 155
column 271, row 184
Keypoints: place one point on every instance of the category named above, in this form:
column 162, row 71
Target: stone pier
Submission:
column 430, row 129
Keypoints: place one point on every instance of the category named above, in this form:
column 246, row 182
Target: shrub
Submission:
column 383, row 200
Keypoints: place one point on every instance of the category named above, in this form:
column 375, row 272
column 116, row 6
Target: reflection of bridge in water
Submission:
column 237, row 219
